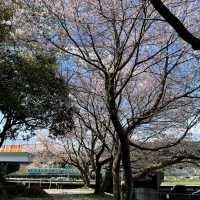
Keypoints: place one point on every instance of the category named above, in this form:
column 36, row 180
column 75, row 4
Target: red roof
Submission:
column 12, row 148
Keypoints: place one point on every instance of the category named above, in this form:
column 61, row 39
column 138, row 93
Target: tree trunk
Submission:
column 85, row 176
column 107, row 185
column 98, row 179
column 2, row 137
column 86, row 180
column 1, row 141
column 128, row 181
column 116, row 172
column 122, row 134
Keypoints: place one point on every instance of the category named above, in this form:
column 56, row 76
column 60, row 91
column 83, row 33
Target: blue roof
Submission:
column 53, row 171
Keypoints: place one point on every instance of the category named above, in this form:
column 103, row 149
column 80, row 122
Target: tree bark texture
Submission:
column 116, row 172
column 128, row 180
column 122, row 135
column 107, row 185
column 85, row 176
column 98, row 180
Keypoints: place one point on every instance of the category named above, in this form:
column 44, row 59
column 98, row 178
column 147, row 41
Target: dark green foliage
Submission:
column 32, row 96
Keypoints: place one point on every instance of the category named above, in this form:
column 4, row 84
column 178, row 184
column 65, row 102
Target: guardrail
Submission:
column 49, row 183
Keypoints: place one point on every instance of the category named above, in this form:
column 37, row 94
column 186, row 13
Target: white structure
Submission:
column 16, row 157
column 14, row 154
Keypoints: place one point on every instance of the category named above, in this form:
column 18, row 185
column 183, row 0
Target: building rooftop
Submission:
column 12, row 148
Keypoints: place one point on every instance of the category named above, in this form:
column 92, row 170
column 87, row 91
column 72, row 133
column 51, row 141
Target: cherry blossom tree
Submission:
column 148, row 79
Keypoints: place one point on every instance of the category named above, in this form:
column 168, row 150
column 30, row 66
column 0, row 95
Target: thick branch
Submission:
column 176, row 24
column 166, row 163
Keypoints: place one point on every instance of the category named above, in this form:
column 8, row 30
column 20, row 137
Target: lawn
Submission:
column 188, row 182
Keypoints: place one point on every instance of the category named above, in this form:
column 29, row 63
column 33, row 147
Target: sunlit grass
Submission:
column 187, row 182
column 79, row 194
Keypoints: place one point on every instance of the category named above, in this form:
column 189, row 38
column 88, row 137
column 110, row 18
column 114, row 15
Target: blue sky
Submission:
column 32, row 140
column 195, row 134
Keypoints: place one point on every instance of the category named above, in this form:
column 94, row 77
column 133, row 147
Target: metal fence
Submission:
column 178, row 196
column 165, row 196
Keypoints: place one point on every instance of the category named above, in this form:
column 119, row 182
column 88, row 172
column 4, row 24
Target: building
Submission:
column 12, row 156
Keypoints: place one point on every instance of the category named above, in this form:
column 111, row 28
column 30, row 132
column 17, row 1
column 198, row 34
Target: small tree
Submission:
column 32, row 96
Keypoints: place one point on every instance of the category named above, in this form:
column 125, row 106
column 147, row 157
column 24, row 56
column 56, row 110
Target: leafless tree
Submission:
column 81, row 148
column 93, row 115
column 68, row 150
column 147, row 77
